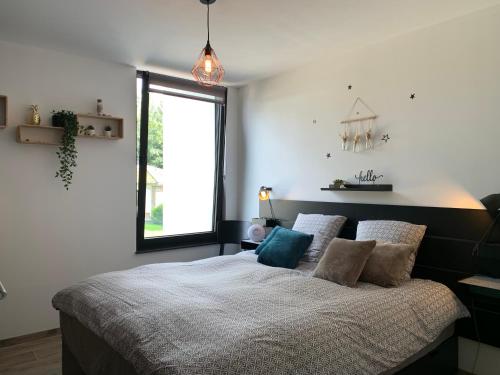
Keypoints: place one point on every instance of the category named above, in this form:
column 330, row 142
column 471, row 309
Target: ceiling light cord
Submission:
column 208, row 22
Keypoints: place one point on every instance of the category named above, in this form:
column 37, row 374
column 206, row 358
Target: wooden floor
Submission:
column 35, row 356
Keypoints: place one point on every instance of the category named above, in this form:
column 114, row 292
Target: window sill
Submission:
column 176, row 242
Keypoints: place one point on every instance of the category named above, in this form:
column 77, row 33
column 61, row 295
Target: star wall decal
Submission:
column 328, row 155
column 385, row 138
column 412, row 96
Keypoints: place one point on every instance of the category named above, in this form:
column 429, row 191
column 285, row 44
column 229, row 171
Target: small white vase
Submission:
column 91, row 132
column 108, row 133
column 100, row 106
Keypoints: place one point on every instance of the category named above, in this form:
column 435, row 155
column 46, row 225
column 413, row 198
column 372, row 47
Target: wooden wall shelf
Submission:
column 100, row 122
column 3, row 111
column 48, row 135
column 361, row 187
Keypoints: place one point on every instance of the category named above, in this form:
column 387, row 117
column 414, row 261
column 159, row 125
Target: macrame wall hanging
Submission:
column 358, row 127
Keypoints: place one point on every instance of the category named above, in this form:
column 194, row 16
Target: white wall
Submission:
column 49, row 237
column 442, row 144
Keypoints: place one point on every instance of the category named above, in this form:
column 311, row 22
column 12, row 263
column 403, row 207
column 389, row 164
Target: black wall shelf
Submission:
column 361, row 187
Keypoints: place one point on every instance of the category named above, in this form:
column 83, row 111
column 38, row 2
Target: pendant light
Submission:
column 208, row 70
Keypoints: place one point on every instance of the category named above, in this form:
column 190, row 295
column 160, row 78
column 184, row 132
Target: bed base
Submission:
column 70, row 364
column 441, row 361
column 84, row 353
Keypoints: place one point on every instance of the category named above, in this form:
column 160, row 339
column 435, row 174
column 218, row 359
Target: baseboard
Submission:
column 30, row 337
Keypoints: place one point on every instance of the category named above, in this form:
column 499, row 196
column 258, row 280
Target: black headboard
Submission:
column 446, row 251
column 445, row 254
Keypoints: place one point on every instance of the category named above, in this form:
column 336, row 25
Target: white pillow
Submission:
column 393, row 232
column 323, row 227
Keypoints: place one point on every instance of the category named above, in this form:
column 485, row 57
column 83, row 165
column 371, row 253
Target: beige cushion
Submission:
column 393, row 232
column 343, row 261
column 387, row 264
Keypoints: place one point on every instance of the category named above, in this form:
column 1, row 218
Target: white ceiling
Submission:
column 253, row 38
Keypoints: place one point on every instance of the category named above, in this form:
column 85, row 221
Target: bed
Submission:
column 232, row 315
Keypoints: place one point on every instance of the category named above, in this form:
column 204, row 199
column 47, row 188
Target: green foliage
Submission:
column 67, row 153
column 155, row 134
column 157, row 214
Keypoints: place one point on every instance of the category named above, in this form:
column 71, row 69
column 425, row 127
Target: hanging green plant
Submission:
column 67, row 153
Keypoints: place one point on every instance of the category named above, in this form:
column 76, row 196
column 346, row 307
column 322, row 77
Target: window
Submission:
column 180, row 154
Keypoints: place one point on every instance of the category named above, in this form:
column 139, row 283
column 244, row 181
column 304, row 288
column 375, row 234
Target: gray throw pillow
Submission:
column 394, row 232
column 387, row 264
column 323, row 227
column 343, row 261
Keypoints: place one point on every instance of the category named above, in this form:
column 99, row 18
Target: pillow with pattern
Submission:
column 393, row 232
column 323, row 227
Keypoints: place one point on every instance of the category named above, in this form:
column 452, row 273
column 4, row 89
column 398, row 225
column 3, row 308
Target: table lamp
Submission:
column 265, row 195
column 492, row 205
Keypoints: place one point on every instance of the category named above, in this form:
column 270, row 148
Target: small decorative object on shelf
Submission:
column 256, row 232
column 108, row 131
column 90, row 131
column 81, row 129
column 35, row 114
column 337, row 184
column 369, row 176
column 3, row 111
column 100, row 107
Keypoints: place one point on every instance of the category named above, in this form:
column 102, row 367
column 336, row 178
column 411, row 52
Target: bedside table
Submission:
column 484, row 285
column 249, row 245
column 484, row 293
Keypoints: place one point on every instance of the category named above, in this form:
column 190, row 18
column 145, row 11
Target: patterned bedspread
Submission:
column 232, row 315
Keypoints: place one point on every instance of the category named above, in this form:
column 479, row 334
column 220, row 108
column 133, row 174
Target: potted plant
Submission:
column 81, row 129
column 67, row 153
column 337, row 184
column 108, row 131
column 90, row 130
column 59, row 118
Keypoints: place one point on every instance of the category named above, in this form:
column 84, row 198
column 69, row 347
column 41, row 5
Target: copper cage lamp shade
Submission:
column 208, row 70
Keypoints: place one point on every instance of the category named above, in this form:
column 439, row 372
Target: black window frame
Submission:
column 146, row 245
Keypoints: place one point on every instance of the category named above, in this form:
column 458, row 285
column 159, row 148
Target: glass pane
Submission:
column 181, row 166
